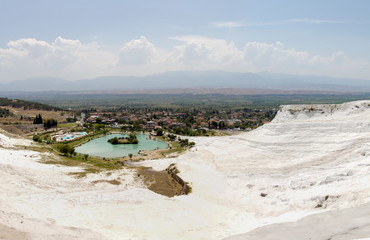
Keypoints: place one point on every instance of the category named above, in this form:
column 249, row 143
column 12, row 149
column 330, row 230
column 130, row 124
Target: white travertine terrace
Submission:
column 310, row 161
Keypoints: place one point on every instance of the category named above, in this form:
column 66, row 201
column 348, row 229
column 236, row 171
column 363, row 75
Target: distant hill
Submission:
column 189, row 79
column 17, row 103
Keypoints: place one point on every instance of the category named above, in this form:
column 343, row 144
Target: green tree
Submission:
column 221, row 125
column 159, row 132
column 71, row 120
column 49, row 123
column 38, row 119
column 36, row 138
column 66, row 149
column 113, row 140
column 98, row 127
column 130, row 155
column 172, row 137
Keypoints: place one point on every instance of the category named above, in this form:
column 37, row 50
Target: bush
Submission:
column 5, row 112
column 185, row 142
column 71, row 120
column 172, row 137
column 36, row 138
column 113, row 140
column 66, row 149
column 159, row 132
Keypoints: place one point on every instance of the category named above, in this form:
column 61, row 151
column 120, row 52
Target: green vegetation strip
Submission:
column 67, row 125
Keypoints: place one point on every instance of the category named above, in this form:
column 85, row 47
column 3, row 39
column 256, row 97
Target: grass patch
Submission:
column 67, row 125
column 85, row 172
column 170, row 151
column 90, row 165
column 175, row 148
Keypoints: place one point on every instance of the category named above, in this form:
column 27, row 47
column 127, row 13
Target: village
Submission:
column 191, row 123
column 195, row 121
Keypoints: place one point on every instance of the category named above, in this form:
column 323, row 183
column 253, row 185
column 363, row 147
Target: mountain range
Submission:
column 192, row 79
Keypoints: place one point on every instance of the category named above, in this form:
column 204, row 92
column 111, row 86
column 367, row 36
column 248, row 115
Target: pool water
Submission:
column 101, row 148
column 67, row 137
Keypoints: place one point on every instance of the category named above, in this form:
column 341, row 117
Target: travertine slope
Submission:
column 310, row 159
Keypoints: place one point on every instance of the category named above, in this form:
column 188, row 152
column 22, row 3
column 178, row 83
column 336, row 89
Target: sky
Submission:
column 81, row 39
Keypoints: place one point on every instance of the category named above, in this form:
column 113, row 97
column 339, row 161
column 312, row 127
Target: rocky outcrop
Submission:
column 173, row 171
column 165, row 182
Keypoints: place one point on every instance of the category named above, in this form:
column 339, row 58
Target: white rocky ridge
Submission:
column 310, row 164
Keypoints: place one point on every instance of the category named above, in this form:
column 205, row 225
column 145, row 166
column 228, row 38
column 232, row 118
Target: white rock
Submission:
column 309, row 155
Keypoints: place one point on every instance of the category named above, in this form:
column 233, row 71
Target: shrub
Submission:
column 66, row 149
column 172, row 137
column 159, row 132
column 36, row 138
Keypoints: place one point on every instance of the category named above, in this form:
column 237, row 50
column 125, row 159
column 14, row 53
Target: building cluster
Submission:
column 204, row 120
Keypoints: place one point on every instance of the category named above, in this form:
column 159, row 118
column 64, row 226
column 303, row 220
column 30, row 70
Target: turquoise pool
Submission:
column 101, row 148
column 68, row 137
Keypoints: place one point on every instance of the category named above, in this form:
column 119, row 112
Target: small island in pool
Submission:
column 132, row 139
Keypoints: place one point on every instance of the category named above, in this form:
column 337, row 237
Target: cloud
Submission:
column 205, row 51
column 72, row 59
column 263, row 55
column 28, row 57
column 228, row 25
column 136, row 52
column 276, row 57
column 336, row 58
column 237, row 24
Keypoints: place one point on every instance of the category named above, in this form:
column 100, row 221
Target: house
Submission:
column 149, row 125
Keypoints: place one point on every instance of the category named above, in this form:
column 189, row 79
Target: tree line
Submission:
column 48, row 123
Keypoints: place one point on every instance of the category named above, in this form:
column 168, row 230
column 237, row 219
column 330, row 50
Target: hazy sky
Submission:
column 86, row 38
